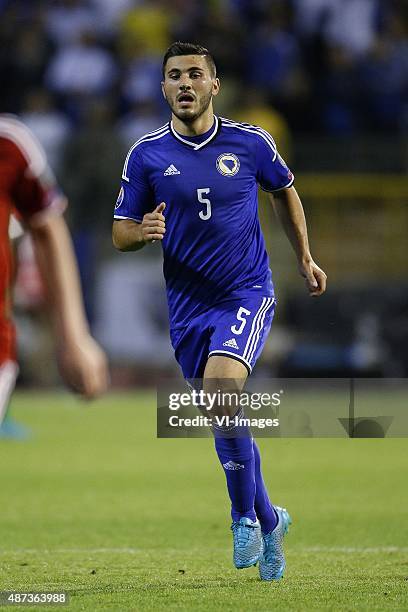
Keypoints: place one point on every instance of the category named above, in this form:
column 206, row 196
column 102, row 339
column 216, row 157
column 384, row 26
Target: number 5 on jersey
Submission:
column 206, row 213
column 242, row 311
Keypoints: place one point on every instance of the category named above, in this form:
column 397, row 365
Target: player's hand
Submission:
column 84, row 367
column 314, row 276
column 154, row 224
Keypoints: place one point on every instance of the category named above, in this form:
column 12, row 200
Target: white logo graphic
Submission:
column 228, row 164
column 232, row 343
column 171, row 170
column 120, row 198
column 231, row 465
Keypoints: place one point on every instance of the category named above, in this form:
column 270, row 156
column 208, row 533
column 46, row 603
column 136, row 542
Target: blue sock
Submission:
column 263, row 507
column 237, row 458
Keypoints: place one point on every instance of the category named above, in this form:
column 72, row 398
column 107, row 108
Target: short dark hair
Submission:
column 184, row 48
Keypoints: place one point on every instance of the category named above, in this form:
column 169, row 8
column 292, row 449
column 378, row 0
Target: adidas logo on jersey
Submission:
column 171, row 170
column 231, row 465
column 232, row 343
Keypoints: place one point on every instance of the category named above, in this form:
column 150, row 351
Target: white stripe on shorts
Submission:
column 260, row 325
column 256, row 326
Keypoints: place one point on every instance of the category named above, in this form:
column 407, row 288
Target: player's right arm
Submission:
column 137, row 221
column 129, row 235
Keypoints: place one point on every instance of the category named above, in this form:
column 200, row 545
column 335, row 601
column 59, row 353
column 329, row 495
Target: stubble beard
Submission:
column 185, row 115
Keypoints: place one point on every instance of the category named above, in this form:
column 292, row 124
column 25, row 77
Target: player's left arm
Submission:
column 289, row 209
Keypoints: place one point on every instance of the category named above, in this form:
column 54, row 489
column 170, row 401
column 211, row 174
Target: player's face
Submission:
column 189, row 86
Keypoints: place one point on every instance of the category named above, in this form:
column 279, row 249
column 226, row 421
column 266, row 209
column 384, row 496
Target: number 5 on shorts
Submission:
column 240, row 316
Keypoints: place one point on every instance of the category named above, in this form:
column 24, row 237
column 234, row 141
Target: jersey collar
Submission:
column 194, row 145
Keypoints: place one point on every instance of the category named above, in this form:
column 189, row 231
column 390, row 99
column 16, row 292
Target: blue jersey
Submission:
column 213, row 247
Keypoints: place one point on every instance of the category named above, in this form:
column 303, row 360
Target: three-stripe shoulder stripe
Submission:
column 246, row 127
column 257, row 128
column 14, row 130
column 159, row 133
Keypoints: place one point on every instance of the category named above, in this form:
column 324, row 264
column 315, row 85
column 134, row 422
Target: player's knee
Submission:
column 222, row 395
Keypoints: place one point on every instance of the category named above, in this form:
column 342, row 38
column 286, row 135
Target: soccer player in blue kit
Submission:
column 193, row 185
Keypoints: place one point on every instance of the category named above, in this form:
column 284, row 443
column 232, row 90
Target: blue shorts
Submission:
column 236, row 328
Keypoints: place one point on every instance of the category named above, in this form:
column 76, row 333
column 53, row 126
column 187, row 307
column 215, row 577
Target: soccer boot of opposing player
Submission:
column 247, row 538
column 10, row 430
column 272, row 562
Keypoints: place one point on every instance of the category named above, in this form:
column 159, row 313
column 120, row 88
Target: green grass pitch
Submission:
column 95, row 505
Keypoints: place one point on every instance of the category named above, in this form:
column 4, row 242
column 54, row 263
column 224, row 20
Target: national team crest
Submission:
column 120, row 198
column 228, row 164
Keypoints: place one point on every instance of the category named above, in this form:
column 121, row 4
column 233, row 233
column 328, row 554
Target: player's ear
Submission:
column 163, row 92
column 216, row 86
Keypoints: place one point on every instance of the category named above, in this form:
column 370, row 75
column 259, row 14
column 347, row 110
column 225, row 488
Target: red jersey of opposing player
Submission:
column 27, row 186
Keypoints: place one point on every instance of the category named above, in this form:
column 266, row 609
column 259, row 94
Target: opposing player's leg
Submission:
column 233, row 444
column 8, row 377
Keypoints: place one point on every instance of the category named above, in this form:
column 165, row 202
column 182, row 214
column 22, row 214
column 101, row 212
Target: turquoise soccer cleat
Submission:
column 10, row 430
column 272, row 562
column 247, row 537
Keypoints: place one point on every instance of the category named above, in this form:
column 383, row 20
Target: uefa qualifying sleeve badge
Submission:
column 120, row 198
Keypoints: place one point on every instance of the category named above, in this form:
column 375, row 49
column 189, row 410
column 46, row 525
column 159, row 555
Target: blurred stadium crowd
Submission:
column 344, row 63
column 84, row 76
column 85, row 73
